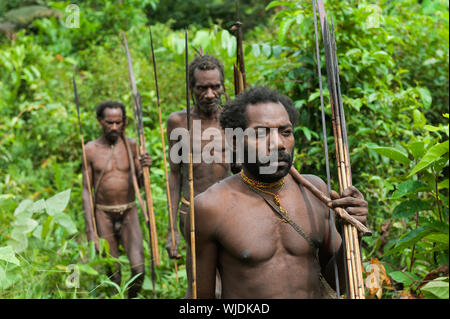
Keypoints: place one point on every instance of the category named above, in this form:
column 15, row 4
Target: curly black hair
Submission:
column 233, row 113
column 204, row 63
column 111, row 105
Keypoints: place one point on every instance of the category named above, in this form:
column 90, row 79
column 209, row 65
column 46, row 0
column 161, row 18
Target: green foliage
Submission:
column 394, row 82
column 184, row 13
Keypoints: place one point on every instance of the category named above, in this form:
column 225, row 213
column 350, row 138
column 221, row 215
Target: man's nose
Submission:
column 209, row 93
column 275, row 141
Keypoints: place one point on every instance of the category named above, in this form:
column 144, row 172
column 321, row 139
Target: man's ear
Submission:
column 125, row 121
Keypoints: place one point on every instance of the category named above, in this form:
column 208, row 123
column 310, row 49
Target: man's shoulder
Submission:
column 316, row 181
column 132, row 141
column 177, row 117
column 91, row 146
column 218, row 196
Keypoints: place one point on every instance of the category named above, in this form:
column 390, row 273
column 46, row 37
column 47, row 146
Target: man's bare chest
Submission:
column 255, row 233
column 111, row 159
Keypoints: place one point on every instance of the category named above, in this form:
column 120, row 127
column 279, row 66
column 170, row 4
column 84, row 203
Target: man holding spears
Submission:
column 111, row 171
column 269, row 236
column 206, row 74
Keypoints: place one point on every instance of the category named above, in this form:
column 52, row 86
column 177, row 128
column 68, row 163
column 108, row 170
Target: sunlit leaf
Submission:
column 436, row 289
column 7, row 254
column 57, row 203
column 392, row 153
column 433, row 154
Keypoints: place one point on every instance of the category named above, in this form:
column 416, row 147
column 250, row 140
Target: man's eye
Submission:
column 287, row 132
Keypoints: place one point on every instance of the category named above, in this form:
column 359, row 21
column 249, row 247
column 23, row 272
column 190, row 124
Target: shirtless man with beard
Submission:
column 115, row 209
column 259, row 254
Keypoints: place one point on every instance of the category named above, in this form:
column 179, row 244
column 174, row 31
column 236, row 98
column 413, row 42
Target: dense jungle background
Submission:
column 393, row 57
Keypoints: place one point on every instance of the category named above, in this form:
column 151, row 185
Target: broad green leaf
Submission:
column 7, row 254
column 256, row 50
column 409, row 239
column 278, row 3
column 2, row 278
column 436, row 289
column 443, row 184
column 57, row 203
column 202, row 38
column 419, row 119
column 433, row 154
column 277, row 49
column 313, row 96
column 425, row 95
column 438, row 238
column 307, row 133
column 404, row 278
column 87, row 269
column 410, row 207
column 284, row 29
column 24, row 224
column 38, row 206
column 18, row 241
column 23, row 206
column 409, row 187
column 65, row 221
column 417, row 149
column 432, row 128
column 267, row 50
column 392, row 153
column 414, row 236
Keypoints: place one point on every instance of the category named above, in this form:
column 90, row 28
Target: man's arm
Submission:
column 353, row 202
column 139, row 161
column 88, row 213
column 206, row 248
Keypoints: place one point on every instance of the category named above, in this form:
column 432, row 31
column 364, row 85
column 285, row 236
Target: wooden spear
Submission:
column 190, row 178
column 149, row 215
column 85, row 164
column 141, row 202
column 163, row 142
column 240, row 82
column 146, row 172
column 351, row 240
column 327, row 160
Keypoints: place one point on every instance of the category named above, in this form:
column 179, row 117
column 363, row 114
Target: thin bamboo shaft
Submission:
column 192, row 227
column 355, row 283
column 163, row 142
column 169, row 201
column 149, row 200
column 146, row 172
column 141, row 203
column 332, row 217
column 190, row 178
column 89, row 187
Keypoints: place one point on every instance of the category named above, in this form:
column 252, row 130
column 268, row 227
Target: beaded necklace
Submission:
column 257, row 185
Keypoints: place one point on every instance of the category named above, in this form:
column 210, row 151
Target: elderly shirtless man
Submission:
column 115, row 209
column 240, row 222
column 206, row 83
